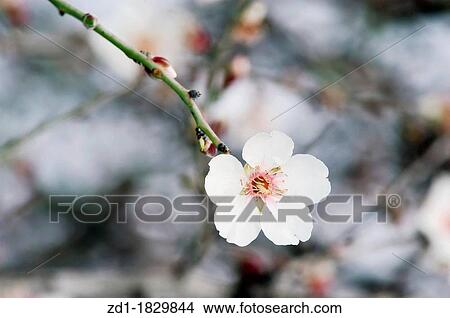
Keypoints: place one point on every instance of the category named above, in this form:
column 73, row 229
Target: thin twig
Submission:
column 417, row 268
column 418, row 170
column 436, row 154
column 140, row 58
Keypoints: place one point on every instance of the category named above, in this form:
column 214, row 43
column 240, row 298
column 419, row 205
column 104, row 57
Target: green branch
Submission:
column 140, row 58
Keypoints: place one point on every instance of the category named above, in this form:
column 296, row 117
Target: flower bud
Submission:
column 206, row 146
column 164, row 66
column 89, row 21
column 250, row 26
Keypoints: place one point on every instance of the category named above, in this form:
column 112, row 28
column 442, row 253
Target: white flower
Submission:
column 435, row 220
column 270, row 174
column 249, row 28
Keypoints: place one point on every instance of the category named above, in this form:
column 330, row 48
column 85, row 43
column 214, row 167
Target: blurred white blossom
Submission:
column 250, row 105
column 435, row 220
column 306, row 276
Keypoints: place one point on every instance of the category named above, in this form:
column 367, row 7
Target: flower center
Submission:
column 260, row 185
column 263, row 183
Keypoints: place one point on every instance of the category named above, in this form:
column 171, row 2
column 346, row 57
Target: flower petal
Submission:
column 275, row 229
column 300, row 227
column 243, row 233
column 224, row 177
column 307, row 176
column 234, row 230
column 279, row 233
column 268, row 150
column 297, row 217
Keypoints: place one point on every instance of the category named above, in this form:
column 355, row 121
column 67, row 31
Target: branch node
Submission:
column 194, row 94
column 153, row 72
column 199, row 132
column 223, row 148
column 146, row 53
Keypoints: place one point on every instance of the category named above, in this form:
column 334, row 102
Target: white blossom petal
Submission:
column 300, row 226
column 307, row 176
column 268, row 150
column 224, row 177
column 279, row 233
column 243, row 233
column 236, row 231
column 275, row 229
column 298, row 218
column 434, row 219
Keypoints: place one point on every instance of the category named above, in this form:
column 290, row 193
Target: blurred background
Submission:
column 68, row 125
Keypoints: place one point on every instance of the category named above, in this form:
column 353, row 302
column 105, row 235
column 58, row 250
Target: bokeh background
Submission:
column 66, row 128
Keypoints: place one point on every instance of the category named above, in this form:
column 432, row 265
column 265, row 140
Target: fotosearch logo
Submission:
column 196, row 208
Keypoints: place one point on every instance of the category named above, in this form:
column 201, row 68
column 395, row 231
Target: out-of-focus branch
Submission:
column 149, row 65
column 223, row 42
column 82, row 109
column 437, row 153
column 418, row 170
